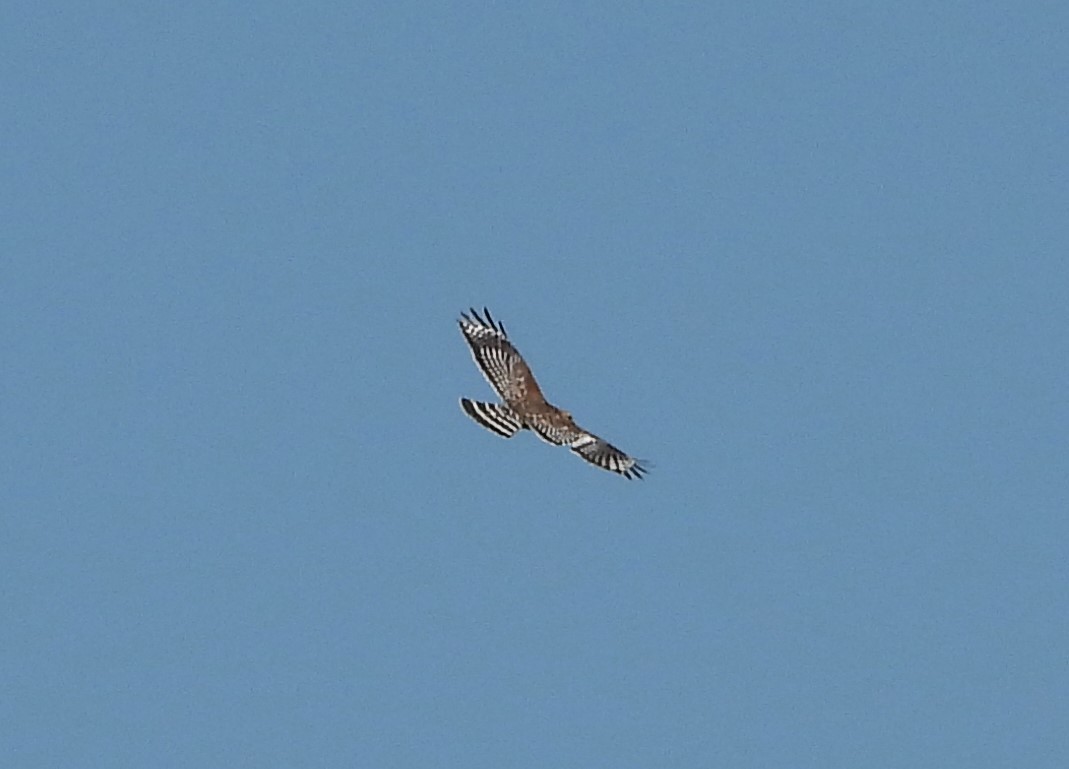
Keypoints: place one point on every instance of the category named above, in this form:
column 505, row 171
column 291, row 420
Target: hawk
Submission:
column 524, row 407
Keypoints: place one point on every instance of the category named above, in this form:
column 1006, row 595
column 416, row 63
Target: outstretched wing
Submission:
column 500, row 362
column 600, row 452
column 555, row 426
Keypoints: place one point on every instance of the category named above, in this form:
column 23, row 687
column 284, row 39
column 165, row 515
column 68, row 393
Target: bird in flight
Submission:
column 524, row 406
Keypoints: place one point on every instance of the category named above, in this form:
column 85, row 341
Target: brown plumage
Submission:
column 525, row 407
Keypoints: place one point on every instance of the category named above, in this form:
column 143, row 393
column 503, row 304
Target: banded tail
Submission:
column 495, row 417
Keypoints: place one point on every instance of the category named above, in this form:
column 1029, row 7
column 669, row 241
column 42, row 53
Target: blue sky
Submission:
column 810, row 259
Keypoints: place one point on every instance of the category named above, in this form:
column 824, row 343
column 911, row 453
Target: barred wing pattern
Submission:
column 500, row 362
column 525, row 407
column 595, row 450
column 606, row 456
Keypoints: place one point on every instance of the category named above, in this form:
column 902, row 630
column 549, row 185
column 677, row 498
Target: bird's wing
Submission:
column 557, row 427
column 501, row 363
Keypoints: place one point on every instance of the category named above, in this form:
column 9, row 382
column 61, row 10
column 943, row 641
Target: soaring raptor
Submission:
column 524, row 407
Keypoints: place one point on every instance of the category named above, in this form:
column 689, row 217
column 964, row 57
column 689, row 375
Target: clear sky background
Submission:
column 810, row 259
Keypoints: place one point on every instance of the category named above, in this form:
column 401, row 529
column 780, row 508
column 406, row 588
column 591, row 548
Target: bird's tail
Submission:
column 495, row 417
